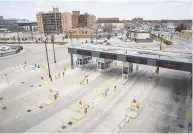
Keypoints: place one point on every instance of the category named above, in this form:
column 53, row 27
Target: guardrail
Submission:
column 7, row 53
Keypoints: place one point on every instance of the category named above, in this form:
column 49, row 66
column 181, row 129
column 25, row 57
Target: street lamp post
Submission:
column 171, row 37
column 5, row 39
column 48, row 62
column 18, row 38
column 53, row 48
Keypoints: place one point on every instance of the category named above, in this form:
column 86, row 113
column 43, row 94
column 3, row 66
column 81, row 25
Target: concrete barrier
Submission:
column 144, row 40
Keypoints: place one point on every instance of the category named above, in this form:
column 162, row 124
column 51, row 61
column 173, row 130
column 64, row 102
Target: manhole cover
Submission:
column 41, row 107
column 40, row 85
column 63, row 127
column 31, row 85
column 22, row 82
column 1, row 98
column 4, row 107
column 181, row 126
column 70, row 123
column 28, row 110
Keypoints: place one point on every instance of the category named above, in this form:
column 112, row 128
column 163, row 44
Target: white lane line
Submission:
column 159, row 111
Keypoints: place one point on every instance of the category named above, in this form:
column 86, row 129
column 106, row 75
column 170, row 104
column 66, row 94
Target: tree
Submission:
column 14, row 38
column 181, row 27
column 52, row 38
column 107, row 28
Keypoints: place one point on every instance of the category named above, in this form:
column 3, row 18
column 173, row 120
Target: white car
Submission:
column 4, row 48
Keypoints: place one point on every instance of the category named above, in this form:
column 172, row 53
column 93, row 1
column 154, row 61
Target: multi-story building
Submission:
column 75, row 17
column 54, row 22
column 82, row 20
column 66, row 22
column 1, row 22
column 10, row 24
column 82, row 33
column 27, row 26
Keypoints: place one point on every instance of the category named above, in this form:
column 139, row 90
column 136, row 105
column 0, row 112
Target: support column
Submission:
column 157, row 70
column 72, row 63
column 130, row 67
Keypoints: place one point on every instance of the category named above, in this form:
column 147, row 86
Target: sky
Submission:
column 124, row 9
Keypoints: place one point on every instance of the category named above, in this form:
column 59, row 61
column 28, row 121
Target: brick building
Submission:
column 53, row 22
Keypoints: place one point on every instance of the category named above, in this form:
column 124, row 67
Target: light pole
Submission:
column 171, row 37
column 5, row 39
column 161, row 42
column 48, row 61
column 18, row 38
column 52, row 39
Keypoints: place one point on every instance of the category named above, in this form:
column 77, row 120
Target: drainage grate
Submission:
column 31, row 85
column 63, row 127
column 41, row 107
column 28, row 110
column 4, row 108
column 181, row 126
column 70, row 123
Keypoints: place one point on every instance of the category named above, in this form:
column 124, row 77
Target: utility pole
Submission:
column 48, row 62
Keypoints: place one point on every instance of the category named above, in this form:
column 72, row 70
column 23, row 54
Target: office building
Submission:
column 82, row 20
column 1, row 22
column 53, row 22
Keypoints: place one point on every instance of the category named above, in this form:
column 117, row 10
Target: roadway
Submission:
column 20, row 96
column 33, row 53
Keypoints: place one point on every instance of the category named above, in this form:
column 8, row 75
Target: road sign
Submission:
column 108, row 56
column 83, row 52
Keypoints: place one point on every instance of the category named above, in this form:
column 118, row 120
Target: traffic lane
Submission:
column 31, row 100
column 106, row 109
column 32, row 54
column 31, row 79
column 161, row 110
column 35, row 119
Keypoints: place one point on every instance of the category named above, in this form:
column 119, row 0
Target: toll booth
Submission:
column 127, row 69
column 82, row 60
column 104, row 65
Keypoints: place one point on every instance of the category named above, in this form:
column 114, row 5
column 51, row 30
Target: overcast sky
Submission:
column 147, row 9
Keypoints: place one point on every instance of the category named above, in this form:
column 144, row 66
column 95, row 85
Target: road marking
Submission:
column 158, row 111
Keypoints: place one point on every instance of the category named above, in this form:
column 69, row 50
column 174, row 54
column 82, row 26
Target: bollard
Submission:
column 87, row 81
column 55, row 97
column 50, row 78
column 114, row 88
column 85, row 110
column 63, row 74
